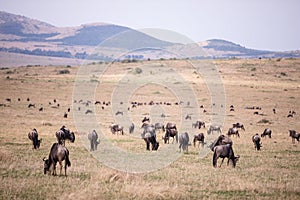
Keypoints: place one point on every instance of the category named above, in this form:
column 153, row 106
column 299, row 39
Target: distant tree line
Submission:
column 40, row 52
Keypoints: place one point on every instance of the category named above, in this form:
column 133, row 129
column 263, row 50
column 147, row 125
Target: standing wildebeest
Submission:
column 184, row 142
column 116, row 128
column 221, row 140
column 294, row 135
column 58, row 153
column 198, row 124
column 34, row 137
column 213, row 128
column 266, row 132
column 224, row 151
column 233, row 131
column 256, row 141
column 93, row 137
column 238, row 125
column 131, row 128
column 200, row 138
column 171, row 133
column 149, row 136
column 64, row 134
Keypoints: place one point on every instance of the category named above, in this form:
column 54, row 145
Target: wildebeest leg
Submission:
column 147, row 144
column 54, row 169
column 60, row 167
column 65, row 167
column 222, row 162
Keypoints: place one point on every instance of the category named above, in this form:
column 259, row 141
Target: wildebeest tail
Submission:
column 67, row 159
column 215, row 159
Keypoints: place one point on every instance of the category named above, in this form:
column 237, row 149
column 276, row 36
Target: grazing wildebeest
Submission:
column 171, row 133
column 221, row 140
column 256, row 141
column 266, row 132
column 58, row 153
column 198, row 124
column 149, row 136
column 159, row 126
column 116, row 128
column 294, row 135
column 213, row 128
column 64, row 134
column 34, row 137
column 224, row 151
column 200, row 138
column 171, row 126
column 93, row 137
column 131, row 128
column 184, row 142
column 233, row 131
column 238, row 125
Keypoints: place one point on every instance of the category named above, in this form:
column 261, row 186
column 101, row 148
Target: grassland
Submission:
column 272, row 173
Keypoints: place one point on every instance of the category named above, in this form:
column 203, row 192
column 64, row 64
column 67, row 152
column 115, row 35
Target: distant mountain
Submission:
column 217, row 48
column 20, row 28
column 19, row 34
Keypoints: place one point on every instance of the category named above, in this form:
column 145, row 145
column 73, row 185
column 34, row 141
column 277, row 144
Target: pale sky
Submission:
column 257, row 24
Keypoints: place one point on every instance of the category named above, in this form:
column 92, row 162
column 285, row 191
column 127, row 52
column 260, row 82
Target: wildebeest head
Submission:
column 72, row 137
column 236, row 158
column 38, row 143
column 46, row 165
column 155, row 146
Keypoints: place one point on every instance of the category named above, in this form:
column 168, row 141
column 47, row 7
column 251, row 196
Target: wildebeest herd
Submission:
column 222, row 147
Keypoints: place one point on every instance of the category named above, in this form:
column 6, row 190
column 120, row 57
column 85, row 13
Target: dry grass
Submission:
column 272, row 173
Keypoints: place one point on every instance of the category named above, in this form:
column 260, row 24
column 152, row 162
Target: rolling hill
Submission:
column 22, row 35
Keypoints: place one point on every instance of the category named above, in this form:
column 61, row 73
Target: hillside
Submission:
column 22, row 35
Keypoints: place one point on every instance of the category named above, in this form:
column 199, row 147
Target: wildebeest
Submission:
column 238, row 125
column 64, row 134
column 233, row 131
column 171, row 133
column 146, row 119
column 221, row 140
column 171, row 126
column 149, row 136
column 256, row 141
column 184, row 142
column 93, row 137
column 294, row 135
column 198, row 124
column 131, row 128
column 213, row 128
column 266, row 132
column 34, row 137
column 115, row 128
column 224, row 151
column 159, row 126
column 58, row 153
column 200, row 138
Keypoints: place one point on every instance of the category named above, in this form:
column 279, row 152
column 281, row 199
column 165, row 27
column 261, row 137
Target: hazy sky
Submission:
column 258, row 24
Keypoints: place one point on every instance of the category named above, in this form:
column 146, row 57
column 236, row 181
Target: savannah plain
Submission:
column 272, row 173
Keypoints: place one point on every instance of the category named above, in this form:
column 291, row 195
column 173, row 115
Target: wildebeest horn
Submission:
column 238, row 156
column 44, row 158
